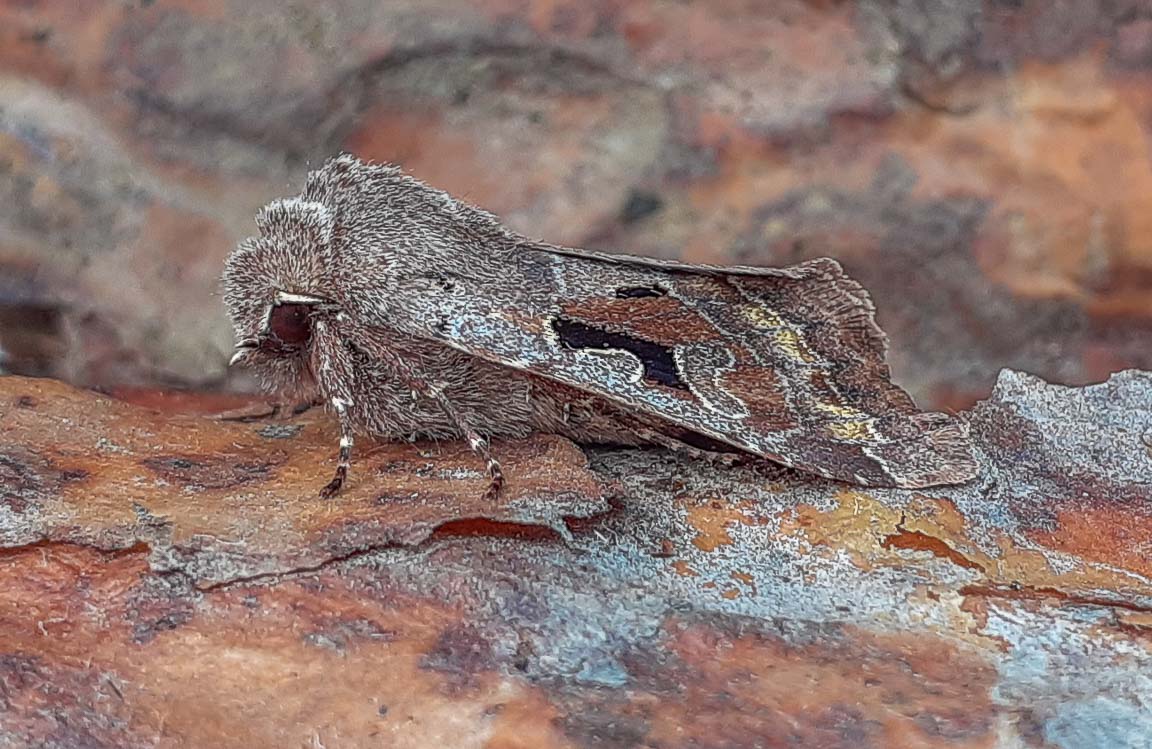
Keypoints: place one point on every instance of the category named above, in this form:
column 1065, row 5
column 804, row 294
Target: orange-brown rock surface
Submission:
column 168, row 579
column 983, row 167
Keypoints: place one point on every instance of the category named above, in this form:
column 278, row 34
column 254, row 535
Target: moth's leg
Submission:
column 345, row 457
column 277, row 411
column 285, row 410
column 479, row 445
column 250, row 412
column 335, row 369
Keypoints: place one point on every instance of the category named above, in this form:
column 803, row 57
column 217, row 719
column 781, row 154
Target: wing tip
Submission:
column 845, row 302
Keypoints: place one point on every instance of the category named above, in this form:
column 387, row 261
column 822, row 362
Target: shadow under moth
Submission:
column 413, row 315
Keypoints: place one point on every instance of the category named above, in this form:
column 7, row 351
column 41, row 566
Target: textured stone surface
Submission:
column 983, row 167
column 170, row 579
column 109, row 477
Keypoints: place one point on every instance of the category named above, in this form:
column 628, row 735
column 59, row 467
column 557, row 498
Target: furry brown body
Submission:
column 414, row 315
column 383, row 406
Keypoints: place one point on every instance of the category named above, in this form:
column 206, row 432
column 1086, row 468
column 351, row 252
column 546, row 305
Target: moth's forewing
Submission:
column 784, row 363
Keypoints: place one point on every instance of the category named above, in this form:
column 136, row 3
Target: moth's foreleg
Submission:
column 335, row 372
column 345, row 457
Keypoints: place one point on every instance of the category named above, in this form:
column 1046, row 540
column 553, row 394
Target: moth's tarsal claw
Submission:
column 336, row 484
column 495, row 481
column 243, row 348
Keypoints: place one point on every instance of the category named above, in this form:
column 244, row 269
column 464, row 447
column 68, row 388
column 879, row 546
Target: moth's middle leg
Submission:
column 479, row 445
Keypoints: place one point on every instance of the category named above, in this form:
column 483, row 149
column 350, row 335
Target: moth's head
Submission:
column 275, row 289
column 286, row 329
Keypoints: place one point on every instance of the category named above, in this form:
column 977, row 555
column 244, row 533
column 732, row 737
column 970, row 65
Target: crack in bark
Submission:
column 456, row 528
column 1019, row 592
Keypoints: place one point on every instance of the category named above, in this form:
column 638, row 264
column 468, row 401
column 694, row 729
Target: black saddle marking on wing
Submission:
column 659, row 366
column 639, row 292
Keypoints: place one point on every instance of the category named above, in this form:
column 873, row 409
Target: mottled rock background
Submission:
column 171, row 581
column 984, row 168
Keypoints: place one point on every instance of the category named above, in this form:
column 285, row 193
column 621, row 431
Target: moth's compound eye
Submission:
column 291, row 324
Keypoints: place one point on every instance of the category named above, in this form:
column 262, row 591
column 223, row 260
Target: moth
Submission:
column 413, row 315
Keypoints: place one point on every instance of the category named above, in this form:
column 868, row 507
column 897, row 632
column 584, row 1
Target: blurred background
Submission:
column 985, row 169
